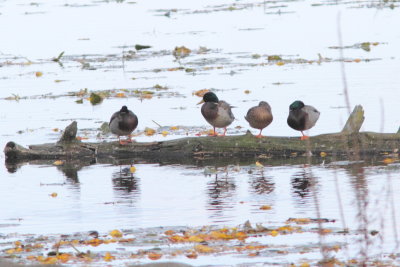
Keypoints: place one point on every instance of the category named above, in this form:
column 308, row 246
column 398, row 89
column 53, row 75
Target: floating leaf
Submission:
column 274, row 58
column 154, row 256
column 39, row 74
column 247, row 92
column 258, row 164
column 108, row 257
column 149, row 131
column 388, row 160
column 204, row 249
column 192, row 255
column 174, row 128
column 140, row 47
column 95, row 99
column 116, row 233
column 169, row 232
column 201, row 93
column 58, row 162
column 79, row 101
column 164, row 133
column 120, row 95
column 280, row 63
column 181, row 51
column 274, row 233
column 53, row 194
column 132, row 169
column 265, row 207
column 323, row 154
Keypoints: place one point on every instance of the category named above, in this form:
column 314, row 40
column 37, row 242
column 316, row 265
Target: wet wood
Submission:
column 348, row 142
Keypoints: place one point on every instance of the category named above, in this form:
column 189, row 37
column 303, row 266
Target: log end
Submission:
column 355, row 121
column 69, row 134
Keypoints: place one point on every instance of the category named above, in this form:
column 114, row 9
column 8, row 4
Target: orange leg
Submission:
column 224, row 132
column 304, row 137
column 259, row 135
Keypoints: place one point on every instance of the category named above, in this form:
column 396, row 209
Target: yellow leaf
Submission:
column 265, row 207
column 38, row 73
column 132, row 169
column 149, row 131
column 58, row 162
column 116, row 233
column 108, row 257
column 17, row 243
column 203, row 249
column 388, row 160
column 258, row 164
column 195, row 239
column 10, row 251
column 174, row 128
column 274, row 233
column 53, row 194
column 154, row 256
column 280, row 63
column 164, row 133
column 323, row 154
column 305, row 264
column 56, row 130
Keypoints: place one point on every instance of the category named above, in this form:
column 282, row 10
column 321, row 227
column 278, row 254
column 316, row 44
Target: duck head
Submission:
column 296, row 105
column 209, row 97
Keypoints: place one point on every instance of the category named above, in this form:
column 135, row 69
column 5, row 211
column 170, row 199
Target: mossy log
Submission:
column 344, row 144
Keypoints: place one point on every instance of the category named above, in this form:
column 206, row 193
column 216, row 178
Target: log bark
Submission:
column 186, row 150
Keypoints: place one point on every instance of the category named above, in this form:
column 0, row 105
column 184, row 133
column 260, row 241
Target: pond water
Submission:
column 230, row 43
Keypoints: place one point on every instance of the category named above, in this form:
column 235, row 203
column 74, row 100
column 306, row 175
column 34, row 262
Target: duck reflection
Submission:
column 301, row 185
column 220, row 192
column 261, row 184
column 125, row 182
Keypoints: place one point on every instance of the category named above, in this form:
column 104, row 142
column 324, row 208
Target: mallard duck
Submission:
column 122, row 123
column 302, row 117
column 218, row 113
column 259, row 116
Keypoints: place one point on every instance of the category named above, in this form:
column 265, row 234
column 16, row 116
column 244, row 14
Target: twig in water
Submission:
column 156, row 123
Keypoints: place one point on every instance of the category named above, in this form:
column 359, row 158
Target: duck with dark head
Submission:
column 217, row 112
column 302, row 117
column 122, row 123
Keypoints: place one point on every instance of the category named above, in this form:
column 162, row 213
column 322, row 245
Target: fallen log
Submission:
column 185, row 150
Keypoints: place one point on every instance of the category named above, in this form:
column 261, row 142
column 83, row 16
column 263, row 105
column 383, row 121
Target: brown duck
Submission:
column 259, row 116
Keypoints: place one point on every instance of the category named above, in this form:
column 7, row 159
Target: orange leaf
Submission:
column 154, row 256
column 265, row 207
column 201, row 93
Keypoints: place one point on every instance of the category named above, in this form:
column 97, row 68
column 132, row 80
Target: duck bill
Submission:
column 201, row 102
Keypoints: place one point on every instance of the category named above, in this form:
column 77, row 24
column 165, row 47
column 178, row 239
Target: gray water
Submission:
column 98, row 38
